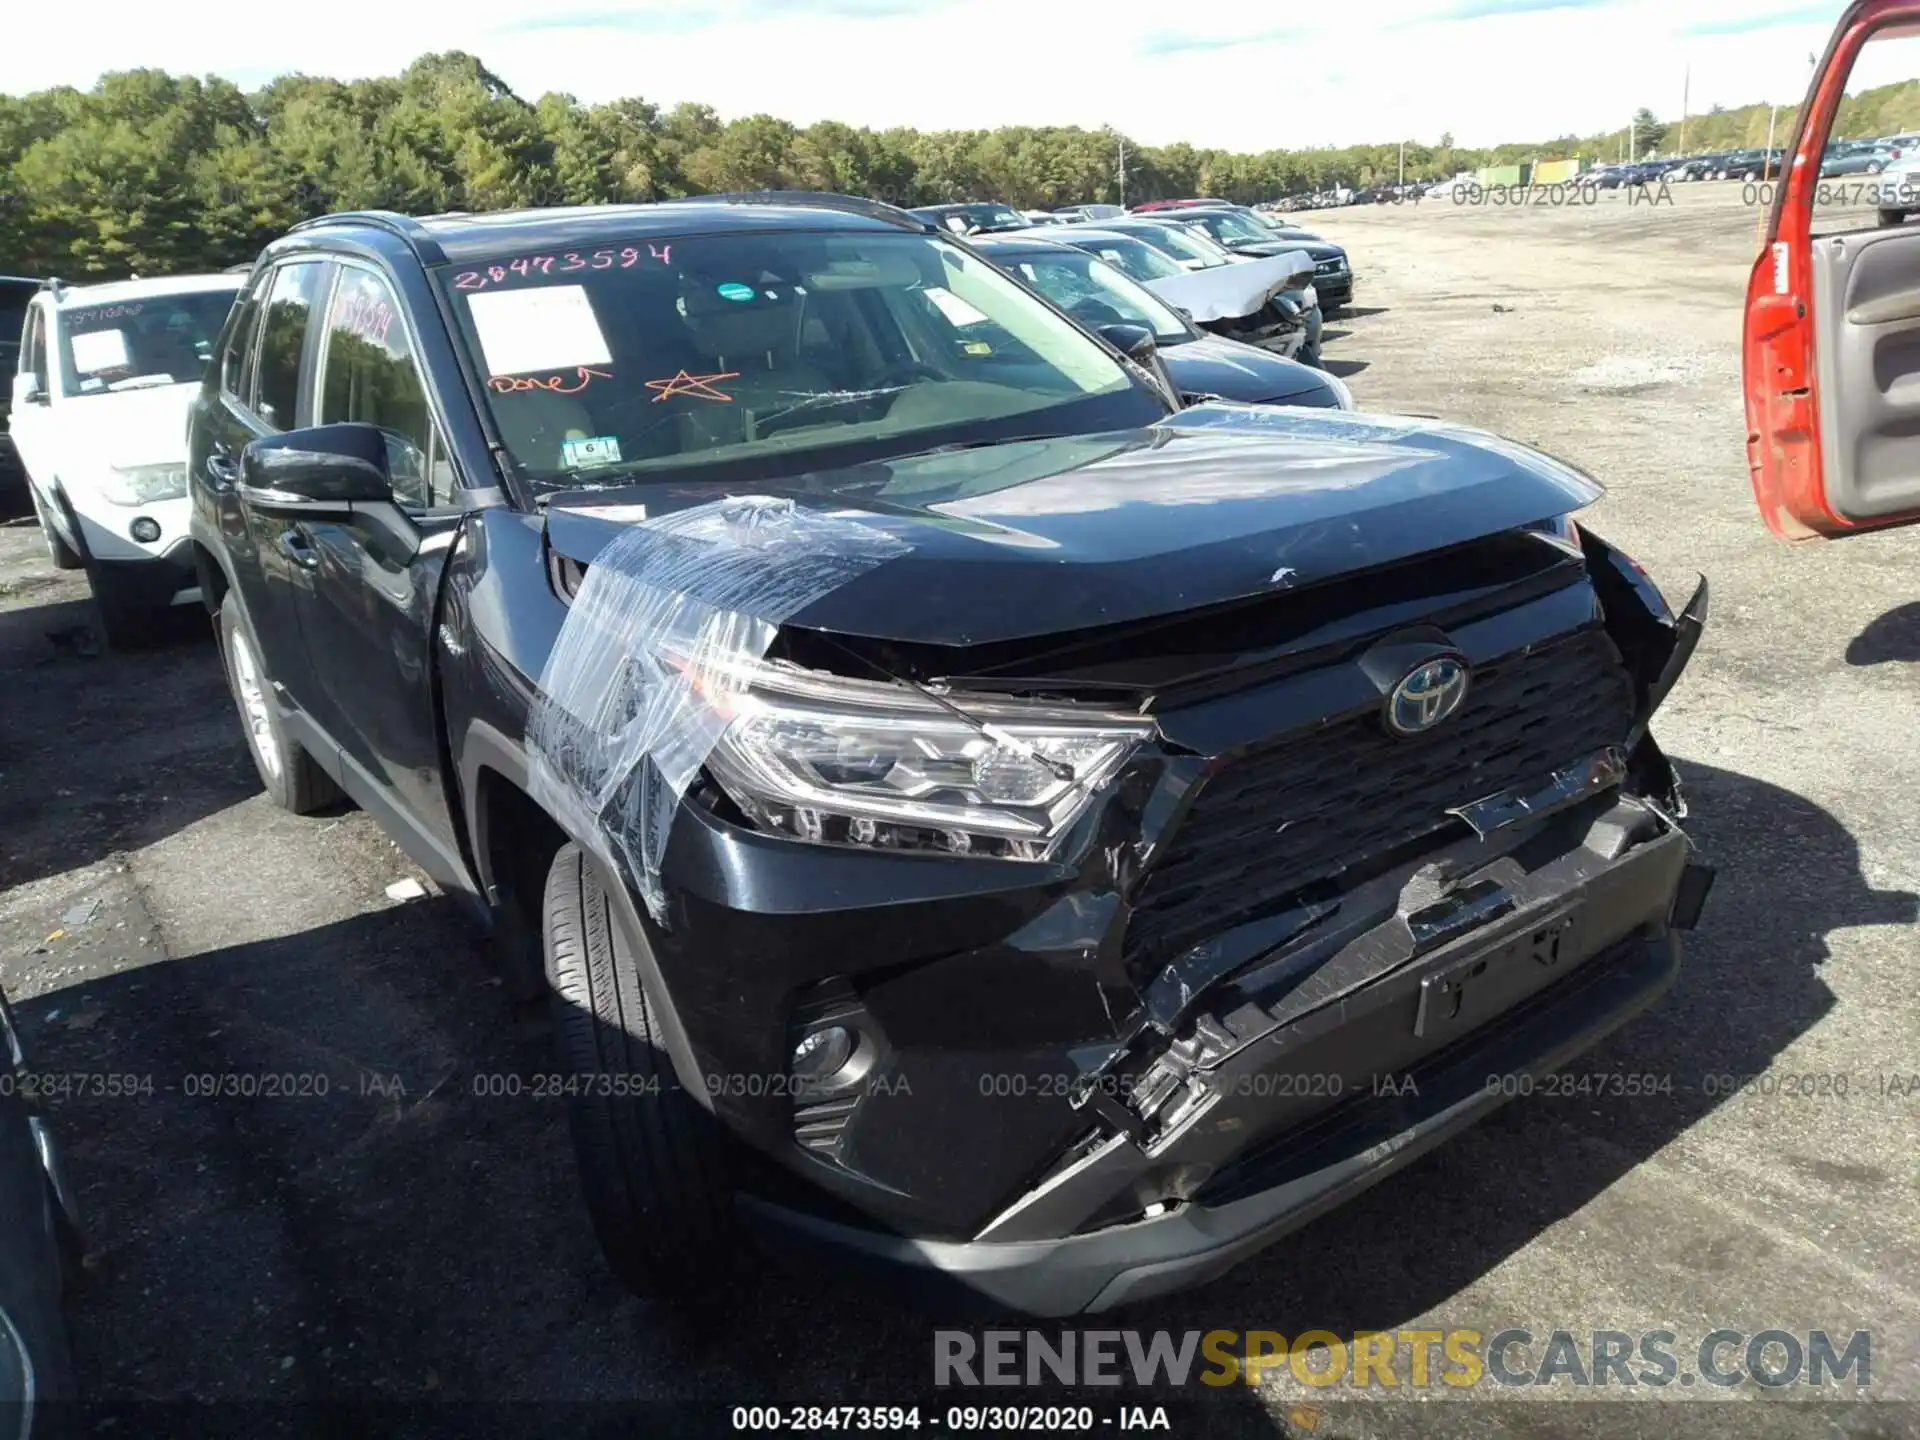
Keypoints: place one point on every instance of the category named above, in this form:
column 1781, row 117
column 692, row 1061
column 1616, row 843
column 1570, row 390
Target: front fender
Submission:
column 498, row 623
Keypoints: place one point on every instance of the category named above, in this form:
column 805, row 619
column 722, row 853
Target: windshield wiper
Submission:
column 953, row 445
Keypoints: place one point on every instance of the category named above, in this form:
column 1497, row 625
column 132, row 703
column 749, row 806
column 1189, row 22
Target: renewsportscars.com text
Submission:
column 1388, row 1360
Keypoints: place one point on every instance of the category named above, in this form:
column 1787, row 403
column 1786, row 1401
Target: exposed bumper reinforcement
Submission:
column 1197, row 1241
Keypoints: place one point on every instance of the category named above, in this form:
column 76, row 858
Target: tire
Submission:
column 127, row 615
column 287, row 772
column 60, row 555
column 655, row 1166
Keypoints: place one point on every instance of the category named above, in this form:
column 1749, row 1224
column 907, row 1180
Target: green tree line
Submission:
column 150, row 172
column 1885, row 110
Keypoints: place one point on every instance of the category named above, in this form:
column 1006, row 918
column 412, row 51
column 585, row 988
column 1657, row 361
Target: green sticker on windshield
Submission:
column 734, row 290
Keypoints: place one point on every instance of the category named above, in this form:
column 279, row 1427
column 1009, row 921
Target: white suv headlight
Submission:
column 883, row 766
column 144, row 484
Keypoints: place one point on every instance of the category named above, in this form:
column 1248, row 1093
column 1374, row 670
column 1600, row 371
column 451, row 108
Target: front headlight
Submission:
column 144, row 484
column 842, row 762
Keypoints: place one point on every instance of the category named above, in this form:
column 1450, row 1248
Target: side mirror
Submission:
column 324, row 470
column 27, row 391
column 1136, row 342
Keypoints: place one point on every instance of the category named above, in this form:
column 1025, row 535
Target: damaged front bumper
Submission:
column 1005, row 1144
column 1346, row 1055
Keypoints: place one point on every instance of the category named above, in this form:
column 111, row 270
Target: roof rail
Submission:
column 813, row 199
column 245, row 267
column 405, row 227
column 55, row 284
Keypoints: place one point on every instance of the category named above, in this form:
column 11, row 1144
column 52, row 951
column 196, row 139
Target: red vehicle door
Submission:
column 1831, row 351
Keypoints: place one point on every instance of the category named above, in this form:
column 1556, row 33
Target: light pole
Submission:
column 1120, row 141
column 1685, row 85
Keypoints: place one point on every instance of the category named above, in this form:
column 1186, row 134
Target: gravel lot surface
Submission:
column 400, row 1238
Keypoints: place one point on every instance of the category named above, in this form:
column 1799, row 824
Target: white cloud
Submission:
column 1338, row 74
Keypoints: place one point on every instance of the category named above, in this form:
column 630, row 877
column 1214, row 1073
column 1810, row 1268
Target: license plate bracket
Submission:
column 1460, row 996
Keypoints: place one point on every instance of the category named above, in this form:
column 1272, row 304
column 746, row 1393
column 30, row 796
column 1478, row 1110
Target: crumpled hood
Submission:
column 1216, row 503
column 127, row 427
column 1226, row 292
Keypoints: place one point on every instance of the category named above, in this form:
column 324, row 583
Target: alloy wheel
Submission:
column 253, row 705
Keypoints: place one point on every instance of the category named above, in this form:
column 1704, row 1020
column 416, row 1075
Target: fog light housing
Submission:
column 146, row 530
column 821, row 1056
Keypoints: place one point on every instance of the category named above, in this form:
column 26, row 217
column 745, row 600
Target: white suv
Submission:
column 106, row 375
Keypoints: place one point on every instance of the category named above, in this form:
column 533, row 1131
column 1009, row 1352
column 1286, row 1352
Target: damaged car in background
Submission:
column 1270, row 303
column 1198, row 366
column 1243, row 233
column 975, row 819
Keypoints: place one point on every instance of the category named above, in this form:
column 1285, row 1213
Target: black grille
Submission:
column 818, row 1126
column 1351, row 791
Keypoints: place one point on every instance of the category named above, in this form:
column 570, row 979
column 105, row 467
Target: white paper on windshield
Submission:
column 953, row 307
column 552, row 328
column 97, row 350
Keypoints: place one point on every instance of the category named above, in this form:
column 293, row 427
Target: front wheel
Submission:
column 289, row 774
column 655, row 1166
column 60, row 554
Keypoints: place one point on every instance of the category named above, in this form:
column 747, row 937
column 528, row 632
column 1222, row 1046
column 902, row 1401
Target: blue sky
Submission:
column 1236, row 75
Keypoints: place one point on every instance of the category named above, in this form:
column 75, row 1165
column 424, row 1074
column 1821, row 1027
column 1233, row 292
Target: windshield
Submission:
column 132, row 344
column 665, row 355
column 965, row 219
column 1176, row 240
column 1094, row 293
column 1133, row 258
column 1226, row 225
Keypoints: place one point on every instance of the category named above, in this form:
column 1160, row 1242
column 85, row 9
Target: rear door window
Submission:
column 236, row 377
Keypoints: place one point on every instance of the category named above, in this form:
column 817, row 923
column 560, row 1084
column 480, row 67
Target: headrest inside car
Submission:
column 894, row 270
column 732, row 319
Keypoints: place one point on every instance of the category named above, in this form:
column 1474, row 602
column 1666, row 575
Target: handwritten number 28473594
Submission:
column 569, row 262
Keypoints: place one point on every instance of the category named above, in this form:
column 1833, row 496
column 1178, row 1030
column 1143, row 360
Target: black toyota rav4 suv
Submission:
column 976, row 819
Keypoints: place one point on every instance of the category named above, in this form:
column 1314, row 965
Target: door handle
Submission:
column 293, row 544
column 223, row 469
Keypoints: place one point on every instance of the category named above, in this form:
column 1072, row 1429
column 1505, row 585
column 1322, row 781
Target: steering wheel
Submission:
column 1092, row 311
